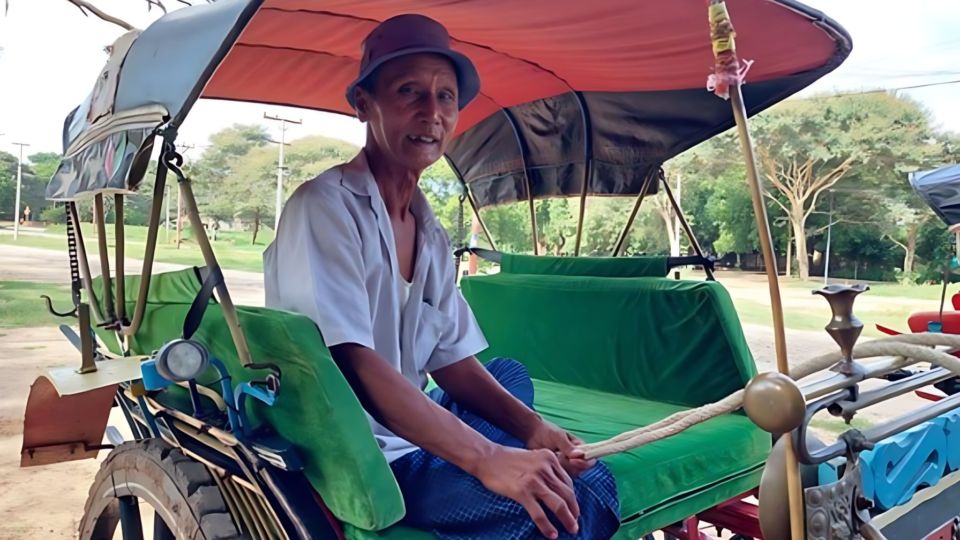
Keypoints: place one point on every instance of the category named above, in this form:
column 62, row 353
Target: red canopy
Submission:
column 305, row 52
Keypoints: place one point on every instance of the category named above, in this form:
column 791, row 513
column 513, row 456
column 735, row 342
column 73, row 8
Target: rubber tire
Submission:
column 177, row 487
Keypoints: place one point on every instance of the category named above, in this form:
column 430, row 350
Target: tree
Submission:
column 903, row 229
column 87, row 8
column 801, row 185
column 808, row 146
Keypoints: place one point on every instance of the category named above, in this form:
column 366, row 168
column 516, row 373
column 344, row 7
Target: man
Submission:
column 360, row 252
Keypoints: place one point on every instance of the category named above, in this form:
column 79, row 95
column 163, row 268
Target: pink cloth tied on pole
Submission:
column 727, row 70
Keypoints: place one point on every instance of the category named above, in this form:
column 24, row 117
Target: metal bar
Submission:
column 237, row 508
column 130, row 518
column 686, row 228
column 224, row 437
column 822, row 387
column 160, row 529
column 153, row 230
column 885, row 430
column 476, row 215
column 118, row 252
column 473, row 202
column 85, row 266
column 917, row 417
column 521, row 145
column 621, row 240
column 587, row 165
column 87, row 363
column 893, row 389
column 104, row 257
column 228, row 309
column 255, row 505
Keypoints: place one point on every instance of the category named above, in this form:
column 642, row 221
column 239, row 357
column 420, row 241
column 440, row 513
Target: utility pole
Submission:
column 826, row 265
column 16, row 215
column 280, row 168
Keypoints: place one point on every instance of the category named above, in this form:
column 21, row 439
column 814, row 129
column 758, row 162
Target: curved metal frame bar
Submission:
column 622, row 239
column 118, row 249
column 522, row 145
column 153, row 231
column 104, row 258
column 587, row 166
column 686, row 227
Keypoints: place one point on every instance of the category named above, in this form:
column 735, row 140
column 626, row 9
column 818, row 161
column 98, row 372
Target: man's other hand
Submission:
column 532, row 478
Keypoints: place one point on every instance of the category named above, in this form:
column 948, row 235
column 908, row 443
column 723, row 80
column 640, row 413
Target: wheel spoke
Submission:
column 160, row 529
column 130, row 518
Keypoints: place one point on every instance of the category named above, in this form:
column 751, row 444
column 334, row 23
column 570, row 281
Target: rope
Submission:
column 912, row 347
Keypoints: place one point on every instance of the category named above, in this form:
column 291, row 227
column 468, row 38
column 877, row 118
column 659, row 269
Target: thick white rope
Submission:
column 912, row 347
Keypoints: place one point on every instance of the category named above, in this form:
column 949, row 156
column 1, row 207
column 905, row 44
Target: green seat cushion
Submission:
column 664, row 340
column 677, row 476
column 584, row 266
column 316, row 409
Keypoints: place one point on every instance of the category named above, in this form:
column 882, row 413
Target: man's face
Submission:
column 412, row 111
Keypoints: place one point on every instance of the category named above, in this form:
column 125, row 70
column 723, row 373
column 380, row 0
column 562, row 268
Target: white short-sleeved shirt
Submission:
column 334, row 260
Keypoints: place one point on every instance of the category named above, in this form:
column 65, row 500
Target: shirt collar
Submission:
column 357, row 177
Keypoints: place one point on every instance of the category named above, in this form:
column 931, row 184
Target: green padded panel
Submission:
column 584, row 266
column 681, row 475
column 665, row 340
column 316, row 410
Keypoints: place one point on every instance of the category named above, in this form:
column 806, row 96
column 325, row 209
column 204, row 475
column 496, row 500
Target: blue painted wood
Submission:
column 899, row 466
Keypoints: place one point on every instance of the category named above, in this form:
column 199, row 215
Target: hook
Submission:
column 71, row 313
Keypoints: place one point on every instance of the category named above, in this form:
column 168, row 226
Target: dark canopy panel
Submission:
column 940, row 189
column 618, row 136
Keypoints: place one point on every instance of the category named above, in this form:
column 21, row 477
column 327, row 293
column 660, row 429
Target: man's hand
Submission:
column 551, row 437
column 532, row 478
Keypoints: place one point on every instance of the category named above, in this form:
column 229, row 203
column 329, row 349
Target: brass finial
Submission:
column 844, row 326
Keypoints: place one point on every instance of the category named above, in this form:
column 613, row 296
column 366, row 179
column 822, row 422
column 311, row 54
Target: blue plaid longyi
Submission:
column 442, row 498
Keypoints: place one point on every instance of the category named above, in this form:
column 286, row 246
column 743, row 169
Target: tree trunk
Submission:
column 789, row 250
column 911, row 249
column 256, row 227
column 797, row 221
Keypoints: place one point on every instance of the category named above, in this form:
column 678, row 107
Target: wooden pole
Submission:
column 728, row 76
column 794, row 488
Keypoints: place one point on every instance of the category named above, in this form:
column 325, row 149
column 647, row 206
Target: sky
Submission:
column 52, row 53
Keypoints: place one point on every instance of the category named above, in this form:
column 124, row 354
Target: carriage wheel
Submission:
column 181, row 492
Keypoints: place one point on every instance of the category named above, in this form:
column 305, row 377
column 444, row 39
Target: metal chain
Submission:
column 75, row 283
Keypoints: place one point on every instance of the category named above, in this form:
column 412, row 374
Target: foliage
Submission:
column 32, row 188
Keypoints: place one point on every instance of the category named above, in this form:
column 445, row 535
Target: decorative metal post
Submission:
column 844, row 327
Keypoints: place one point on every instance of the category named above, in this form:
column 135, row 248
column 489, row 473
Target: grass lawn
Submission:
column 233, row 248
column 21, row 305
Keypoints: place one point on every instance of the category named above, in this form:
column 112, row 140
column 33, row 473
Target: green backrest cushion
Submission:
column 316, row 409
column 584, row 266
column 659, row 339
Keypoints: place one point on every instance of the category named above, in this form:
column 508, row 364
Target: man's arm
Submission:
column 531, row 478
column 470, row 384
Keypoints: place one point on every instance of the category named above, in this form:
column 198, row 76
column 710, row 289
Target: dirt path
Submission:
column 35, row 502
